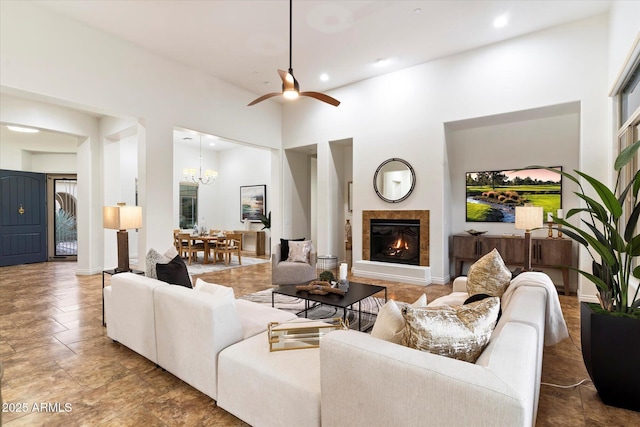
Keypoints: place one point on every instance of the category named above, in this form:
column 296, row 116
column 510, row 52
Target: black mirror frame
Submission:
column 413, row 180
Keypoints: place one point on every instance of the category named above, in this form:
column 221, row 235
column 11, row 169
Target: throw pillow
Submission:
column 389, row 325
column 218, row 291
column 284, row 247
column 175, row 272
column 458, row 332
column 299, row 251
column 488, row 275
column 154, row 257
column 480, row 297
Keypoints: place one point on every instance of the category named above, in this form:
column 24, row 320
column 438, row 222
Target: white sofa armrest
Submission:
column 460, row 284
column 366, row 382
column 130, row 313
column 191, row 329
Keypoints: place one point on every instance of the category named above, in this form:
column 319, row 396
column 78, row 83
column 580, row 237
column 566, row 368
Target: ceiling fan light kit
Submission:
column 290, row 86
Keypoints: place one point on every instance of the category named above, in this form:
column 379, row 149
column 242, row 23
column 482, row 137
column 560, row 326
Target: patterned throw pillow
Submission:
column 488, row 275
column 460, row 332
column 299, row 251
column 154, row 257
column 389, row 325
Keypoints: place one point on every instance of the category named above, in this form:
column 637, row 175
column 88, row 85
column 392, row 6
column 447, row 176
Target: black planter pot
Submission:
column 611, row 350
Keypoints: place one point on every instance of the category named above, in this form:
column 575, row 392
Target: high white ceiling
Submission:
column 244, row 42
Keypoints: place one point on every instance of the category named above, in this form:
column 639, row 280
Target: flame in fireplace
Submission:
column 400, row 244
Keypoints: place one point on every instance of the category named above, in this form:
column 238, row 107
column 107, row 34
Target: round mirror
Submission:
column 394, row 180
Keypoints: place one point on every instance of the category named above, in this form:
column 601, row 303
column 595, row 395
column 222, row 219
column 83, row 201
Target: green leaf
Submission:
column 636, row 272
column 594, row 207
column 608, row 198
column 631, row 223
column 634, row 246
column 596, row 280
column 626, row 155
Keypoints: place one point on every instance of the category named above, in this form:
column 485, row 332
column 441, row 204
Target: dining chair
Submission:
column 189, row 246
column 232, row 243
column 178, row 243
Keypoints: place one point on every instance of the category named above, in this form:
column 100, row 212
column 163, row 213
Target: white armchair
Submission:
column 285, row 272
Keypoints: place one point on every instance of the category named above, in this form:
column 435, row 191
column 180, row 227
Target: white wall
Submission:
column 403, row 114
column 241, row 166
column 550, row 137
column 62, row 61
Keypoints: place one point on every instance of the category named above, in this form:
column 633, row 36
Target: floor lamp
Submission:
column 528, row 217
column 122, row 218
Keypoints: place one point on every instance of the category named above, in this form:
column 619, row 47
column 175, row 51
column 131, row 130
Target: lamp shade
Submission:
column 122, row 217
column 528, row 217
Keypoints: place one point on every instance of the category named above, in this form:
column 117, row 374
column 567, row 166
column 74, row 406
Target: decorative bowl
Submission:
column 475, row 232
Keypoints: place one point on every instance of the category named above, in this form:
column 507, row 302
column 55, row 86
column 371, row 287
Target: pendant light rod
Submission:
column 290, row 36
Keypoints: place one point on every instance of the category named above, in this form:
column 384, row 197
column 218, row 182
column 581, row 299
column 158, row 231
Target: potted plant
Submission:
column 610, row 331
column 266, row 225
column 265, row 220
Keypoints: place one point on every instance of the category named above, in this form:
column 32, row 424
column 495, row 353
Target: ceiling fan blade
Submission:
column 321, row 97
column 263, row 97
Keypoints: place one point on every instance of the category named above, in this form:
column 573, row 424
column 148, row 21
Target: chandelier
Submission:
column 190, row 173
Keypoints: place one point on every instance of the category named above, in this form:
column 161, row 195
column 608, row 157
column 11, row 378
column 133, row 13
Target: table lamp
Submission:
column 528, row 217
column 122, row 218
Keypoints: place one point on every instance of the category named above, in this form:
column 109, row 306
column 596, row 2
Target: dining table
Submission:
column 207, row 240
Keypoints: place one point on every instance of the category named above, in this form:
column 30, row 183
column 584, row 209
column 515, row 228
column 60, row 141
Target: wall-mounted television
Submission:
column 492, row 196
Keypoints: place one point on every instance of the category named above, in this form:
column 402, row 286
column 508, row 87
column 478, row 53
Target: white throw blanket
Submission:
column 555, row 328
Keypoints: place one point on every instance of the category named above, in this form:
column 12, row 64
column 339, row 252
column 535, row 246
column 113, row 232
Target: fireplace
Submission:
column 395, row 246
column 395, row 241
column 412, row 224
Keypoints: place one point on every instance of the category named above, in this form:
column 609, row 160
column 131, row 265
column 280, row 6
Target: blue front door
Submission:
column 23, row 217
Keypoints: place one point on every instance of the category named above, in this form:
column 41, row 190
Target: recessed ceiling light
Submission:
column 324, row 77
column 501, row 21
column 417, row 11
column 22, row 129
column 212, row 144
column 187, row 138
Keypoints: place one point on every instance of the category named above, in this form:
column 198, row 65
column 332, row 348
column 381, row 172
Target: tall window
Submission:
column 629, row 127
column 188, row 204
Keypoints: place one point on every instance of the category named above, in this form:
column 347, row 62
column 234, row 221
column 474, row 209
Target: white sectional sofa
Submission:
column 396, row 385
column 181, row 330
column 353, row 378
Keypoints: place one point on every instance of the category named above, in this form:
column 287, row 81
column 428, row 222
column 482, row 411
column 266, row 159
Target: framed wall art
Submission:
column 253, row 202
column 492, row 196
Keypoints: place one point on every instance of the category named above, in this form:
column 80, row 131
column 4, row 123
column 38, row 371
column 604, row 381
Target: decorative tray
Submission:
column 301, row 334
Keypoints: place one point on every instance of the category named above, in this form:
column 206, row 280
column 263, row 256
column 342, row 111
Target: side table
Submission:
column 111, row 272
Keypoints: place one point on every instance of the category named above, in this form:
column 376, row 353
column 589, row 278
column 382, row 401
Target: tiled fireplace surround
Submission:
column 417, row 275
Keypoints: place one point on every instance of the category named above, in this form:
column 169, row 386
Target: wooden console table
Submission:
column 260, row 239
column 545, row 253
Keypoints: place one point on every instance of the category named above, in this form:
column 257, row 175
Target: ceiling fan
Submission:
column 290, row 86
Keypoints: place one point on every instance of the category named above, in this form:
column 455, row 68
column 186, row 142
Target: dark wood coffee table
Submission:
column 356, row 293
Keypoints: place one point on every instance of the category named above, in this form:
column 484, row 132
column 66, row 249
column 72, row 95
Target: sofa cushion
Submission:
column 459, row 332
column 299, row 251
column 216, row 290
column 284, row 247
column 255, row 318
column 390, row 323
column 488, row 275
column 154, row 257
column 174, row 273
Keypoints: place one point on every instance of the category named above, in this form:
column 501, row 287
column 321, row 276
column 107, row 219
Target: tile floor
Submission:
column 61, row 369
